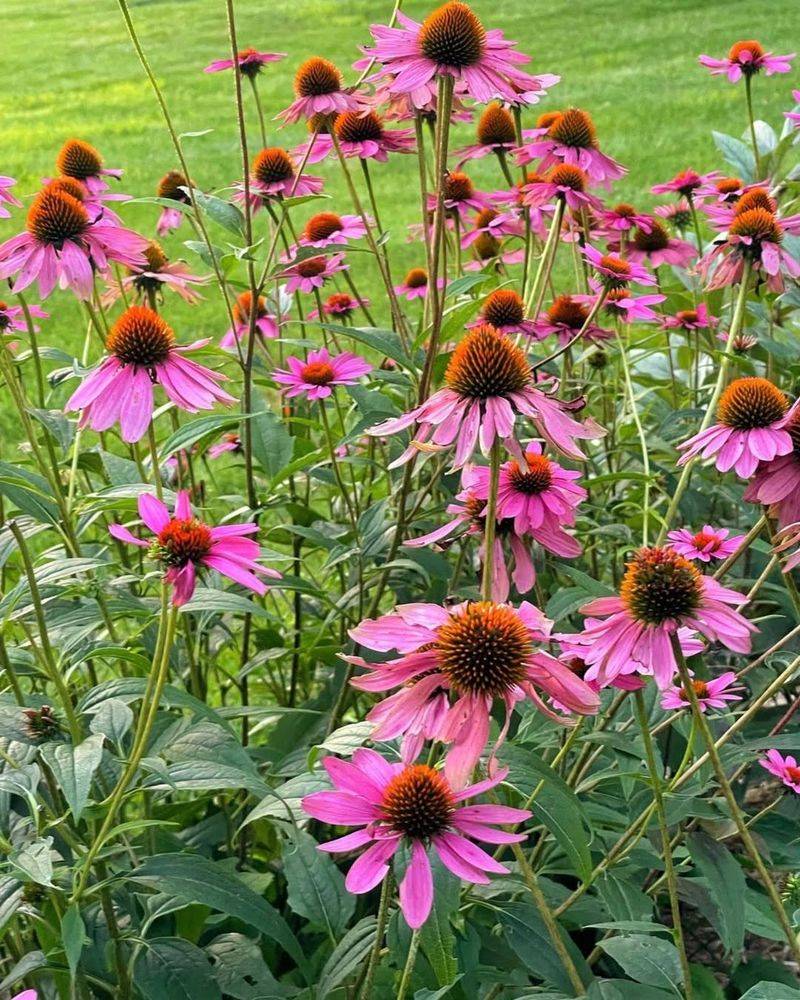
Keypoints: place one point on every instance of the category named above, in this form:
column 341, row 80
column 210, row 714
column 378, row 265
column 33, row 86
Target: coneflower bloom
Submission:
column 79, row 160
column 6, row 197
column 538, row 491
column 184, row 545
column 273, row 174
column 691, row 319
column 250, row 62
column 489, row 252
column 571, row 138
column 267, row 324
column 794, row 116
column 412, row 806
column 496, row 133
column 746, row 59
column 12, row 318
column 786, row 768
column 688, row 183
column 492, row 223
column 724, row 190
column 753, row 419
column 363, row 135
column 657, row 247
column 142, row 352
column 156, row 274
column 488, row 385
column 339, row 304
column 616, row 271
column 504, row 309
column 706, row 544
column 172, row 187
column 777, row 483
column 319, row 89
column 317, row 375
column 230, row 443
column 572, row 658
column 622, row 218
column 677, row 213
column 415, row 284
column 563, row 182
column 754, row 234
column 64, row 246
column 565, row 318
column 622, row 304
column 460, row 195
column 723, row 213
column 451, row 42
column 715, row 693
column 474, row 653
column 661, row 592
column 328, row 229
column 312, row 272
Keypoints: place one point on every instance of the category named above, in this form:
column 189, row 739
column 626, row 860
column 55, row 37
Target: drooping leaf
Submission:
column 316, row 886
column 649, row 960
column 726, row 885
column 347, row 956
column 174, row 969
column 74, row 769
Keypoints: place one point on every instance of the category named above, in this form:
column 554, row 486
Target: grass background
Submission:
column 71, row 71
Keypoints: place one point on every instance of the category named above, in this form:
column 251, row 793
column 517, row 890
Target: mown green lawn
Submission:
column 70, row 71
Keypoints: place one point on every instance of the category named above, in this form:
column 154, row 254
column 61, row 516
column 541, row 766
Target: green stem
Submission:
column 669, row 867
column 751, row 121
column 490, row 522
column 383, row 913
column 408, row 970
column 623, row 355
column 155, row 470
column 259, row 109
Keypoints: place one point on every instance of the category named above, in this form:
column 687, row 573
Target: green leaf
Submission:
column 74, row 768
column 73, row 936
column 528, row 937
column 112, row 719
column 385, row 342
column 737, row 153
column 199, row 880
column 174, row 969
column 316, row 886
column 31, row 493
column 224, row 213
column 34, row 862
column 273, row 445
column 28, row 963
column 771, row 991
column 284, row 802
column 436, row 935
column 240, row 970
column 726, row 886
column 132, row 688
column 347, row 956
column 648, row 960
column 206, row 599
column 11, row 892
column 200, row 430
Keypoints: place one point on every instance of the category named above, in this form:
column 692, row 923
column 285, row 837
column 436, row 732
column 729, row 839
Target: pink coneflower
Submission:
column 495, row 224
column 320, row 372
column 154, row 276
column 328, row 229
column 250, row 62
column 677, row 214
column 794, row 116
column 691, row 319
column 777, row 483
column 63, row 246
column 537, row 492
column 785, row 768
column 660, row 592
column 489, row 252
column 565, row 318
column 705, row 545
column 687, row 183
column 26, row 995
column 496, row 133
column 339, row 304
column 12, row 318
column 142, row 352
column 319, row 90
column 454, row 663
column 184, row 545
column 415, row 284
column 722, row 214
column 746, row 59
column 504, row 309
column 616, row 271
column 6, row 197
column 622, row 218
column 273, row 174
column 716, row 693
column 572, row 658
column 753, row 420
column 312, row 272
column 564, row 182
column 488, row 385
column 267, row 325
column 79, row 160
column 460, row 195
column 172, row 187
column 621, row 304
column 362, row 135
column 724, row 190
column 412, row 806
column 230, row 443
column 657, row 247
column 754, row 234
column 571, row 138
column 451, row 42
